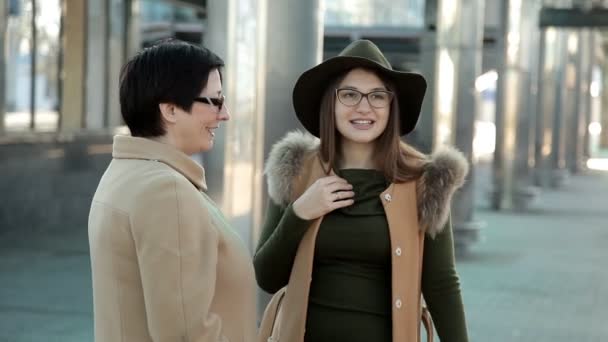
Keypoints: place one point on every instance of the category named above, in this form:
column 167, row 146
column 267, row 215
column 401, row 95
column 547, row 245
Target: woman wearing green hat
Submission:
column 357, row 228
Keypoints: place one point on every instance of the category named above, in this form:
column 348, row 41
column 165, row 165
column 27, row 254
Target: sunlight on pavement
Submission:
column 598, row 164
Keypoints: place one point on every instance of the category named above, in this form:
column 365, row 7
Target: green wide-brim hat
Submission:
column 311, row 85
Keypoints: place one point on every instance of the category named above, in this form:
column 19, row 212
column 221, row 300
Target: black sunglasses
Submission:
column 214, row 101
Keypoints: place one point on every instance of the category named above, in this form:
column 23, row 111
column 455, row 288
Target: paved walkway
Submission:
column 543, row 275
column 540, row 276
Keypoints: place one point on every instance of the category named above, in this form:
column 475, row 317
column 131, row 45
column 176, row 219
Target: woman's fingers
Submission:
column 332, row 180
column 338, row 186
column 342, row 203
column 342, row 195
column 325, row 195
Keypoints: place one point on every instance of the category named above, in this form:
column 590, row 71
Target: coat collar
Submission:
column 128, row 147
column 444, row 172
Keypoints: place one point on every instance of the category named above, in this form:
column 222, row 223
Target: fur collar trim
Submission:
column 444, row 172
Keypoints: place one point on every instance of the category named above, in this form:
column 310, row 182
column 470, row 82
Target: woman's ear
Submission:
column 167, row 112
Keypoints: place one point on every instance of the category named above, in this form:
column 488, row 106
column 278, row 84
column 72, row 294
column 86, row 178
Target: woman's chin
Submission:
column 361, row 138
column 207, row 147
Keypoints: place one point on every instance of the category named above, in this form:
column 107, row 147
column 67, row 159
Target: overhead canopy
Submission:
column 574, row 17
column 195, row 3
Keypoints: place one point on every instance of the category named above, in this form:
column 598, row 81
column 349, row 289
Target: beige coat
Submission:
column 166, row 265
column 413, row 210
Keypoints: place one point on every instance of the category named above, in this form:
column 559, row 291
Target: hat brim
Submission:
column 311, row 85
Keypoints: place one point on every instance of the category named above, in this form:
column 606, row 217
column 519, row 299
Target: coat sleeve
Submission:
column 276, row 250
column 441, row 287
column 177, row 252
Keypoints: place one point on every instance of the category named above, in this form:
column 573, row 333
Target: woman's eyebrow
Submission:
column 355, row 88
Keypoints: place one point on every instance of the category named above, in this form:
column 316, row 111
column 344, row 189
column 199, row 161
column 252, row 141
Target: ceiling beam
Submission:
column 573, row 17
column 200, row 4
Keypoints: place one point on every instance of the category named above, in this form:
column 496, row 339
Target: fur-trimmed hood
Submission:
column 443, row 173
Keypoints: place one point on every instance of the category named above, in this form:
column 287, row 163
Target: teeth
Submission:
column 211, row 132
column 363, row 122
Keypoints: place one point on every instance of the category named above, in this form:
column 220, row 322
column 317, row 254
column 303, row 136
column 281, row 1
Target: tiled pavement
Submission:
column 542, row 276
column 539, row 276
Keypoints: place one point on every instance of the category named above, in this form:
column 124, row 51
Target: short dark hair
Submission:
column 171, row 71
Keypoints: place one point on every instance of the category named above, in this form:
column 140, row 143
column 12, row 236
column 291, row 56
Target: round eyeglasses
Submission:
column 377, row 99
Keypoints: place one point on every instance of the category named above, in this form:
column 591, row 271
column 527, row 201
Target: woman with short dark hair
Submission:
column 166, row 265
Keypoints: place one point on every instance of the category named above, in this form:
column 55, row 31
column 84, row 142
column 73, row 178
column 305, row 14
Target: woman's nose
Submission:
column 224, row 114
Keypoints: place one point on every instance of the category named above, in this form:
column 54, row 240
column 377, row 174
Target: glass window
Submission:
column 20, row 49
column 160, row 20
column 375, row 13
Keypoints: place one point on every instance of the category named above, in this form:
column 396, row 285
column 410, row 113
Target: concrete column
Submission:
column 97, row 65
column 133, row 27
column 294, row 44
column 3, row 25
column 450, row 59
column 587, row 104
column 565, row 69
column 33, row 62
column 512, row 178
column 219, row 38
column 117, row 35
column 573, row 79
column 580, row 152
column 542, row 144
column 236, row 32
column 470, row 50
column 258, row 85
column 74, row 49
column 265, row 49
column 578, row 122
column 550, row 83
column 604, row 106
column 423, row 136
column 447, row 35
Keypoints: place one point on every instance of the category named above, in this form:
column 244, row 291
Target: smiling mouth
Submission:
column 362, row 124
column 211, row 131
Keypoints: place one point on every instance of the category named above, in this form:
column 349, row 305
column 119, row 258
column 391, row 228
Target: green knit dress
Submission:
column 350, row 293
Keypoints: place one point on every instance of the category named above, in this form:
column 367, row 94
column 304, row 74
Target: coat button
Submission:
column 388, row 197
column 398, row 303
column 398, row 251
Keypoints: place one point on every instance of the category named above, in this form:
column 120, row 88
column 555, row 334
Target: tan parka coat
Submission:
column 166, row 266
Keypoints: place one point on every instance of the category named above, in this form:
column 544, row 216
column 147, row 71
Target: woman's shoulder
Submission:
column 287, row 158
column 290, row 151
column 444, row 171
column 161, row 181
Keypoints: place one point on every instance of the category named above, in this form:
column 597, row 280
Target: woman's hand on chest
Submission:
column 324, row 196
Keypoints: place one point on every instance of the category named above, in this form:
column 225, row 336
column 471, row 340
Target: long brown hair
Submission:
column 398, row 161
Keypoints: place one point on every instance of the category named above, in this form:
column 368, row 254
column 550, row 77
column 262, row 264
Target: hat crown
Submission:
column 366, row 49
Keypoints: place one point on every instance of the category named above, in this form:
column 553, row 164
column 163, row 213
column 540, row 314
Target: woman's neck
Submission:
column 168, row 139
column 164, row 139
column 357, row 156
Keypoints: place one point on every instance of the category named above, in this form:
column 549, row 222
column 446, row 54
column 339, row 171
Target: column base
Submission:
column 525, row 197
column 466, row 234
column 495, row 198
column 559, row 178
